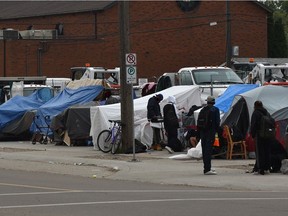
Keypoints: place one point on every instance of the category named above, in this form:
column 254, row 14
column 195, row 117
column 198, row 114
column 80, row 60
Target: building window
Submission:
column 187, row 5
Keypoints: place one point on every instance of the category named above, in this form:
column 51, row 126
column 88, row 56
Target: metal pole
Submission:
column 39, row 62
column 228, row 35
column 4, row 57
column 127, row 109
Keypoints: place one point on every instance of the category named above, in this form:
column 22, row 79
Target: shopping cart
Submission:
column 41, row 134
column 187, row 123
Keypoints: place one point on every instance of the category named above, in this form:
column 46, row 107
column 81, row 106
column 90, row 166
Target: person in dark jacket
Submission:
column 208, row 136
column 109, row 98
column 154, row 115
column 171, row 125
column 263, row 146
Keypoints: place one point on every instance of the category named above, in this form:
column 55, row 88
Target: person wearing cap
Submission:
column 153, row 115
column 208, row 135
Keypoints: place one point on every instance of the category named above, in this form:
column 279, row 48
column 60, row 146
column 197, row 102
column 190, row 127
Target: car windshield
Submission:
column 215, row 75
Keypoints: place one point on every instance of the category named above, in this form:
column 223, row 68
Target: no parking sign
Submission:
column 131, row 59
column 131, row 70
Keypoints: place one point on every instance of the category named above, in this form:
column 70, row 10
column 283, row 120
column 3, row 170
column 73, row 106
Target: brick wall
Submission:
column 163, row 36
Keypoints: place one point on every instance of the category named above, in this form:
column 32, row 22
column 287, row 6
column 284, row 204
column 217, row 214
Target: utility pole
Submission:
column 4, row 57
column 228, row 35
column 127, row 106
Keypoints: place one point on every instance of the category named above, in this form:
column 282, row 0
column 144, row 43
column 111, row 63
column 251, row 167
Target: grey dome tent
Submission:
column 274, row 99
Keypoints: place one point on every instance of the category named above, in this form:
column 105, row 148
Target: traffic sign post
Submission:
column 131, row 71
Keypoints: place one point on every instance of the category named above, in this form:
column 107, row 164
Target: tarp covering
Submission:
column 17, row 106
column 78, row 122
column 225, row 100
column 75, row 120
column 186, row 96
column 87, row 82
column 68, row 97
column 18, row 126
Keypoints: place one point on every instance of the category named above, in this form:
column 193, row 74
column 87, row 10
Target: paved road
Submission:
column 36, row 193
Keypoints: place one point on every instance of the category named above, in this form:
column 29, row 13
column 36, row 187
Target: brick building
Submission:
column 165, row 35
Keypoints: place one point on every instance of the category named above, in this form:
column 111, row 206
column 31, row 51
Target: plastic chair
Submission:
column 231, row 144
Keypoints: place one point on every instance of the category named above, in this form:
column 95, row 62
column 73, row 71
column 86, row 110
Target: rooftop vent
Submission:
column 39, row 34
column 9, row 34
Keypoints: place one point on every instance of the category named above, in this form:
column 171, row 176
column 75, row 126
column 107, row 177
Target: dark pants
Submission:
column 207, row 140
column 173, row 141
column 156, row 136
column 263, row 154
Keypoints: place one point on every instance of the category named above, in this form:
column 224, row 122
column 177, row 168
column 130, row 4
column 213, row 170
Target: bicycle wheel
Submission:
column 104, row 141
column 116, row 143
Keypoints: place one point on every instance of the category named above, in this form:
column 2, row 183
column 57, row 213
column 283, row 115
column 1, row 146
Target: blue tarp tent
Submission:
column 17, row 106
column 68, row 97
column 225, row 100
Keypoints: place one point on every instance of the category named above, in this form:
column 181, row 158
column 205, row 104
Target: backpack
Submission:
column 267, row 127
column 204, row 120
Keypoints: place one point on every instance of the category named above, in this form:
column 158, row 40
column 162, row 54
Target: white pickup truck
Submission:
column 211, row 80
column 111, row 75
column 273, row 74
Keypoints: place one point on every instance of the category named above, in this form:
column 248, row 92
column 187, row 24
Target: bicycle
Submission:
column 110, row 139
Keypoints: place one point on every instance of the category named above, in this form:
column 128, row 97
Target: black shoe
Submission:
column 262, row 172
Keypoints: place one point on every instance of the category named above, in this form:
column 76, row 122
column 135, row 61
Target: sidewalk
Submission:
column 153, row 166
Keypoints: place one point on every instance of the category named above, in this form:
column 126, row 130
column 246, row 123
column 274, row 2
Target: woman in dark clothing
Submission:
column 263, row 146
column 171, row 125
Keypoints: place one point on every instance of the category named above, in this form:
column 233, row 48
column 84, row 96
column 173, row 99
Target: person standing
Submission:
column 208, row 129
column 171, row 125
column 263, row 145
column 153, row 115
column 286, row 139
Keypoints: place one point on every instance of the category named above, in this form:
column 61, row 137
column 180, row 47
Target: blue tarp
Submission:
column 17, row 106
column 225, row 100
column 67, row 98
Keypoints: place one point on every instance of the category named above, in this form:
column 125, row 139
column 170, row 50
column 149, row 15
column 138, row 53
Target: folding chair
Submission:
column 231, row 144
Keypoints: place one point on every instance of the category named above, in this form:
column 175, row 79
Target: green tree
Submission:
column 277, row 43
column 277, row 29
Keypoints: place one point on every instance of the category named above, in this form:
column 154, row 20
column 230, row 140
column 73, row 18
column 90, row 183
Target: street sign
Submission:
column 131, row 74
column 131, row 59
